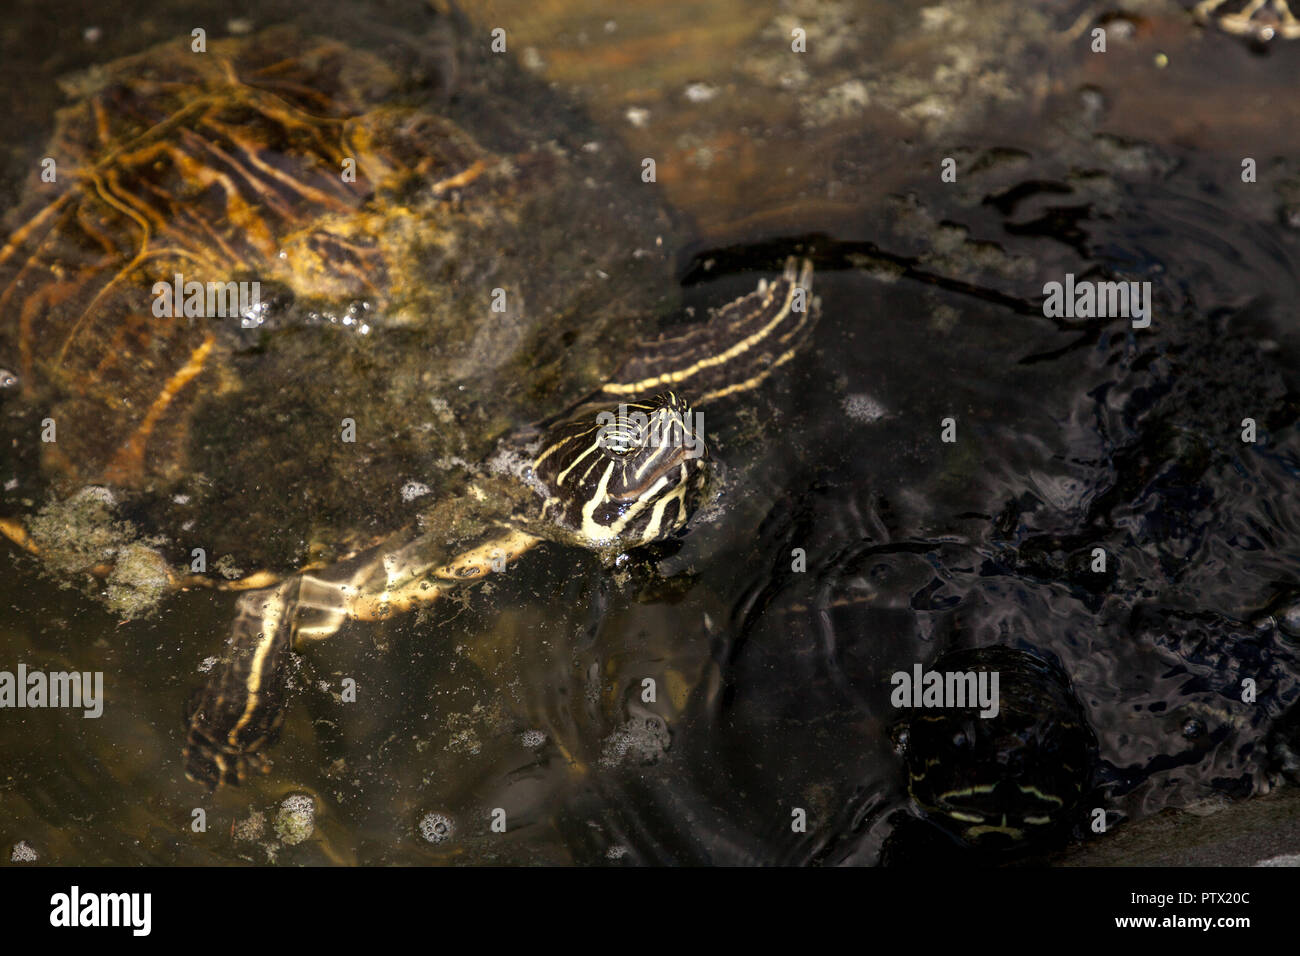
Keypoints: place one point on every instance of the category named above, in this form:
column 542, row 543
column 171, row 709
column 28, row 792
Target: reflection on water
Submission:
column 770, row 686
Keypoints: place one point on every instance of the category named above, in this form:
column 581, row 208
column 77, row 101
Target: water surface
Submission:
column 773, row 687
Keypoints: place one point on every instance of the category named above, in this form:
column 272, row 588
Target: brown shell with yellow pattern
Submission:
column 260, row 299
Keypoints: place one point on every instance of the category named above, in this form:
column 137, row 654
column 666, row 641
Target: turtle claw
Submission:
column 216, row 752
column 211, row 765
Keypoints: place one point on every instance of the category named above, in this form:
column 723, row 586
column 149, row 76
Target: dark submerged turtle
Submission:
column 1010, row 780
column 177, row 429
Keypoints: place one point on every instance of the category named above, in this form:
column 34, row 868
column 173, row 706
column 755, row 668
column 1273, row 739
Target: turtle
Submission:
column 282, row 306
column 1003, row 780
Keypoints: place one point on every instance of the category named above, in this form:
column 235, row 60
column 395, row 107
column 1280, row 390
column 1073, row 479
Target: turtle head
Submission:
column 1007, row 777
column 626, row 475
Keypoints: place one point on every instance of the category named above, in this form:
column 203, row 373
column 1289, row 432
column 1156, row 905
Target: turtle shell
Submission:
column 270, row 287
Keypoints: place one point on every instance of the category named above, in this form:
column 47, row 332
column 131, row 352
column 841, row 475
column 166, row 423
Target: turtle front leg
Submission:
column 239, row 712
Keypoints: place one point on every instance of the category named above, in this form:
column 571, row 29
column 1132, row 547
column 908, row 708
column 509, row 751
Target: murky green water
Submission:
column 773, row 687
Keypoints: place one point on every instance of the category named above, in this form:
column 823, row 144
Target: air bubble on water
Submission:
column 532, row 739
column 249, row 829
column 509, row 461
column 295, row 821
column 7, row 378
column 180, row 499
column 616, row 853
column 414, row 489
column 255, row 315
column 1121, row 28
column 1094, row 101
column 23, row 852
column 643, row 739
column 98, row 493
column 1193, row 728
column 437, row 828
column 532, row 59
column 862, row 408
column 207, row 664
column 701, row 92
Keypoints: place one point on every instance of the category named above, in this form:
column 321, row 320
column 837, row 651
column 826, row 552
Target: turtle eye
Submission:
column 623, row 437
